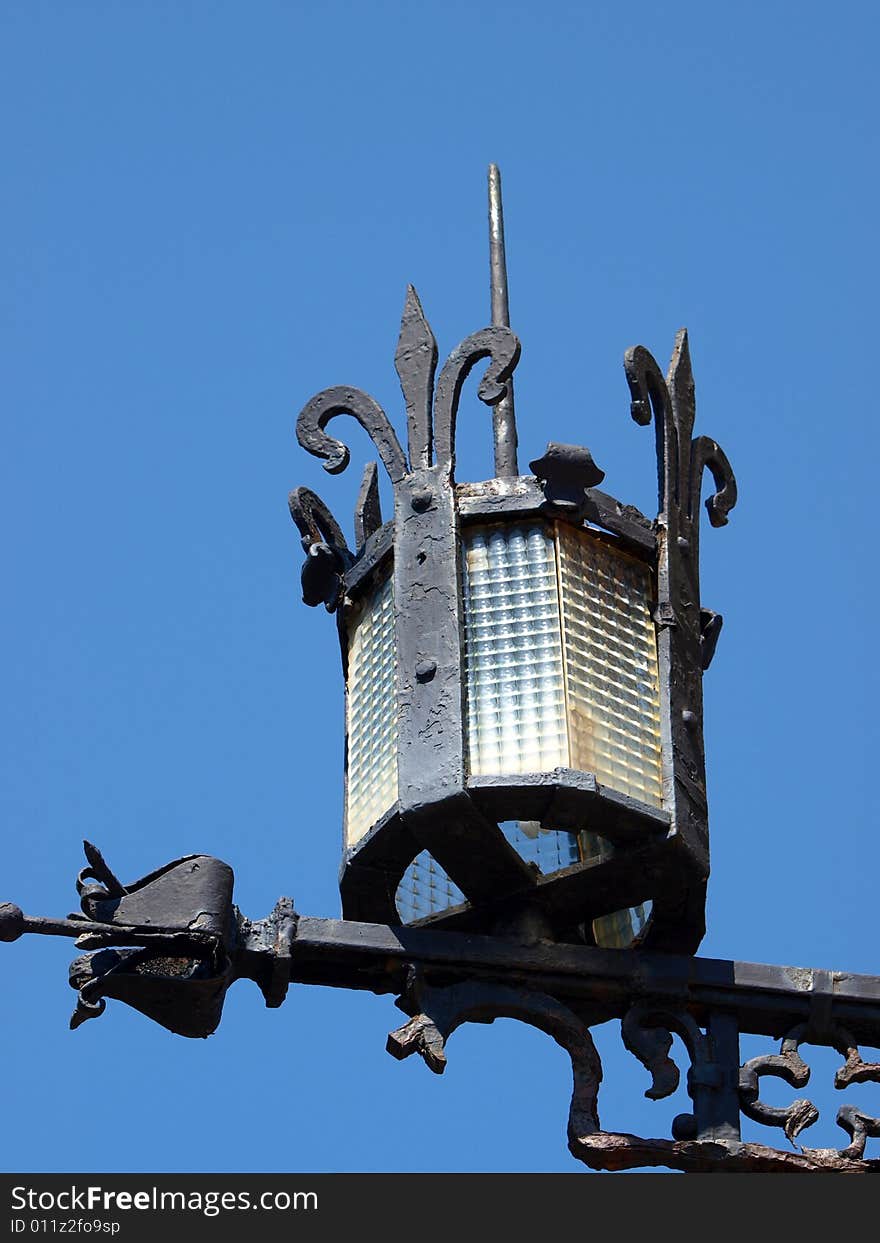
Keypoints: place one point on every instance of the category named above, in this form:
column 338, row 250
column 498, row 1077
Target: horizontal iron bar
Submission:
column 767, row 1000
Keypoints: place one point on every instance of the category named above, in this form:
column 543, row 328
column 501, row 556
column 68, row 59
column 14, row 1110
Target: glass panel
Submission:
column 425, row 889
column 512, row 650
column 550, row 849
column 372, row 715
column 619, row 929
column 611, row 676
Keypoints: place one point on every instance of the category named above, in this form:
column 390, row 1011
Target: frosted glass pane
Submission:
column 515, row 696
column 549, row 849
column 611, row 675
column 426, row 889
column 372, row 715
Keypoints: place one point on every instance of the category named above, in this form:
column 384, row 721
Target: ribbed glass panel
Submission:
column 550, row 849
column 512, row 650
column 611, row 675
column 426, row 889
column 372, row 715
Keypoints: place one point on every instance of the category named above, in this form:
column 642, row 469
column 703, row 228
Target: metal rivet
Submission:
column 425, row 670
column 683, row 544
column 689, row 718
column 421, row 500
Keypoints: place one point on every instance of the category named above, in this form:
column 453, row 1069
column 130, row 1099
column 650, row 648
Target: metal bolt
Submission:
column 425, row 670
column 421, row 499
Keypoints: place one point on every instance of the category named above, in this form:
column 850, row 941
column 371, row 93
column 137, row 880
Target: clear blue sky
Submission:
column 211, row 211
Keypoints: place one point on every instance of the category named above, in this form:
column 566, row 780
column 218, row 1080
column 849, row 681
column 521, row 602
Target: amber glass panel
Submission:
column 611, row 675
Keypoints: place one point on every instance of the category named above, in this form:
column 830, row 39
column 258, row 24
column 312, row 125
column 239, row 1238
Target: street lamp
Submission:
column 526, row 828
column 523, row 659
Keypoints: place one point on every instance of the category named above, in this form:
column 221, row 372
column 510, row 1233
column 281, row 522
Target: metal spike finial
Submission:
column 503, row 418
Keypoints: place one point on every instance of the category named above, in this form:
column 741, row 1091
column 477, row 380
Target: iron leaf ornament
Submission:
column 430, row 419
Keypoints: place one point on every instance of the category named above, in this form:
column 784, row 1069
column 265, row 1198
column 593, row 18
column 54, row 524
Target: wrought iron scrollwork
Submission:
column 327, row 553
column 789, row 1065
column 324, row 406
column 499, row 345
column 707, row 1140
column 687, row 633
column 647, row 1030
column 431, row 417
column 681, row 459
column 171, row 943
column 437, row 1012
column 707, row 454
column 163, row 943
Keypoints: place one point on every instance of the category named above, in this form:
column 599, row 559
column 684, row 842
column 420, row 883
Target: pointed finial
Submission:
column 503, row 419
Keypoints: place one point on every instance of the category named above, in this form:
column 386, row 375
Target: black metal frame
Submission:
column 661, row 856
column 153, row 956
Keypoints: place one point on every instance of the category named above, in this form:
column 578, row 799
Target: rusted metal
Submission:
column 172, row 943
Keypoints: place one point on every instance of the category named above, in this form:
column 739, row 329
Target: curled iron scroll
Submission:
column 647, row 1030
column 789, row 1065
column 498, row 344
column 315, row 522
column 324, row 406
column 647, row 386
column 439, row 1011
column 680, row 460
column 649, row 392
column 327, row 553
column 707, row 453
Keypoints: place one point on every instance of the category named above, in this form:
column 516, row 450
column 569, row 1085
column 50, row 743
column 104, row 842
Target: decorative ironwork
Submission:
column 441, row 806
column 327, row 553
column 172, row 943
column 437, row 1012
column 430, row 416
column 564, row 473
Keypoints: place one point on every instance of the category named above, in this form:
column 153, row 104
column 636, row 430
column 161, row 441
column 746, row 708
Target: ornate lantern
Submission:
column 523, row 663
column 523, row 658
